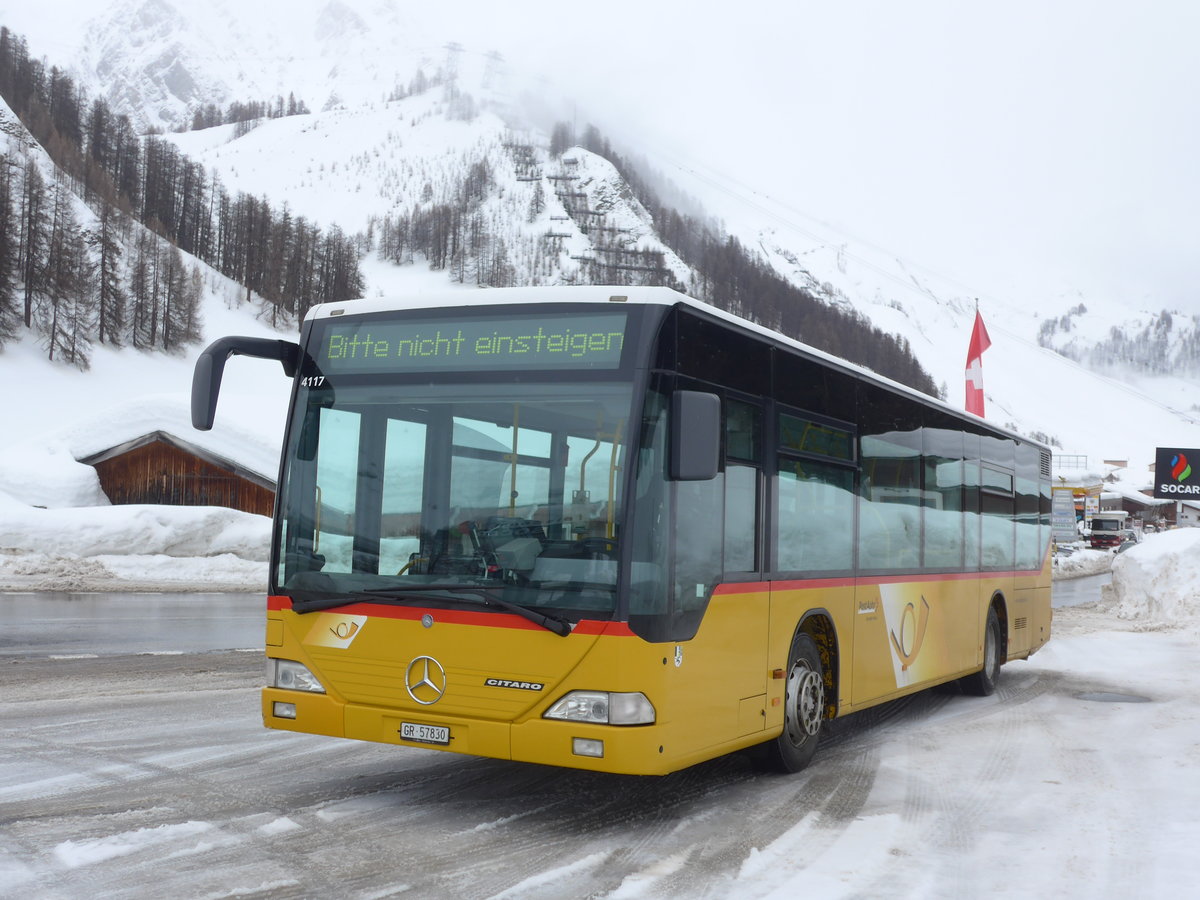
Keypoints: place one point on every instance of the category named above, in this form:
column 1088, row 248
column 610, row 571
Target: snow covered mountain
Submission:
column 158, row 61
column 404, row 118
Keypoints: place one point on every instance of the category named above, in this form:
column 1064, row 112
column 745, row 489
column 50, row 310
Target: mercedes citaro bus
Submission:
column 617, row 529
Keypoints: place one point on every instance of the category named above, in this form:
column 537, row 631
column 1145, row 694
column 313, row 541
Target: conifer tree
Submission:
column 10, row 312
column 111, row 299
column 34, row 238
column 144, row 291
column 172, row 283
column 537, row 203
column 191, row 328
column 66, row 320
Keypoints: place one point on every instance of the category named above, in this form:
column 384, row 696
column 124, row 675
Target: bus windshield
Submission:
column 449, row 494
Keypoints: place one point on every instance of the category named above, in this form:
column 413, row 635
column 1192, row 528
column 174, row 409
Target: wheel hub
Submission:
column 806, row 702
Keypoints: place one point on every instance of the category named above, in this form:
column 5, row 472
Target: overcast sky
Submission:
column 1023, row 147
column 992, row 142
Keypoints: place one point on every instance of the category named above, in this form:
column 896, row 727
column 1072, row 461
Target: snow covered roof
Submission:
column 128, row 423
column 179, row 444
column 1132, row 494
column 48, row 468
column 435, row 299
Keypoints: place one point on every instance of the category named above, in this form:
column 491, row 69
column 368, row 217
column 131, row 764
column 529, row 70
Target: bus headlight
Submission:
column 603, row 708
column 290, row 675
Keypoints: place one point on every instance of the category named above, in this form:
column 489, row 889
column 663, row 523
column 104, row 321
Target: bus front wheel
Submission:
column 803, row 710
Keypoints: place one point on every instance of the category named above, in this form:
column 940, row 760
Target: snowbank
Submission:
column 172, row 548
column 1082, row 563
column 122, row 530
column 1157, row 583
column 46, row 474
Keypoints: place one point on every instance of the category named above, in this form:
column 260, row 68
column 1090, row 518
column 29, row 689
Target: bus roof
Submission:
column 460, row 297
column 636, row 294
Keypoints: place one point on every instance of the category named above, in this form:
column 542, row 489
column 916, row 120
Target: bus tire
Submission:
column 803, row 709
column 983, row 682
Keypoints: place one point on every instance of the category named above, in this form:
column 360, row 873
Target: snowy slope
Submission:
column 156, row 61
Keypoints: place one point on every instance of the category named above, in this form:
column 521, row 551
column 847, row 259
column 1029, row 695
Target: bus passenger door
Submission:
column 724, row 666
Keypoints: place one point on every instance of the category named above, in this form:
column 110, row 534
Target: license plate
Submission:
column 425, row 734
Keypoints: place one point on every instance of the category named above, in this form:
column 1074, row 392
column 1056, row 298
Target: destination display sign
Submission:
column 1177, row 473
column 559, row 341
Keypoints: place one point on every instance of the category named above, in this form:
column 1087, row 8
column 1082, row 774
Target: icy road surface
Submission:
column 151, row 776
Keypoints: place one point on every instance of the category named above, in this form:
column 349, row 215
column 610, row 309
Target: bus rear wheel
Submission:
column 983, row 682
column 803, row 709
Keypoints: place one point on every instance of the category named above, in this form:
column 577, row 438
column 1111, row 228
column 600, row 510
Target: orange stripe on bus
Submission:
column 459, row 617
column 808, row 584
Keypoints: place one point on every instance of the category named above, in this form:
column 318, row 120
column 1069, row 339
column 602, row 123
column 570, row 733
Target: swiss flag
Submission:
column 979, row 342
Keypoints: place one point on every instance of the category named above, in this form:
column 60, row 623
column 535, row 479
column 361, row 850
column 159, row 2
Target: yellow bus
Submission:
column 614, row 528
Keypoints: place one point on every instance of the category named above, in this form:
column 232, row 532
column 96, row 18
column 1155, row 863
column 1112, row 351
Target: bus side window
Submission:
column 1029, row 547
column 743, row 459
column 997, row 507
column 997, row 498
column 814, row 495
column 816, row 516
column 890, row 512
column 943, row 497
column 716, row 522
column 699, row 521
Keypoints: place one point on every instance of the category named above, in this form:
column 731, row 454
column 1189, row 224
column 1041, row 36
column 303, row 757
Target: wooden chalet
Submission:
column 160, row 468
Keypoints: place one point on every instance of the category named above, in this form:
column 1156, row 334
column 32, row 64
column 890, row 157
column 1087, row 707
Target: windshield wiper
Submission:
column 551, row 623
column 552, row 584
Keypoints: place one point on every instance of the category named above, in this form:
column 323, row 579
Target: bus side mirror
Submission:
column 695, row 436
column 210, row 367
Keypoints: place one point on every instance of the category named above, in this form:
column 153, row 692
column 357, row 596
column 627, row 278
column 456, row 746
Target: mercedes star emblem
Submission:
column 425, row 680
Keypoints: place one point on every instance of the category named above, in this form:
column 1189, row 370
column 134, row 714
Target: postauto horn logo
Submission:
column 1174, row 478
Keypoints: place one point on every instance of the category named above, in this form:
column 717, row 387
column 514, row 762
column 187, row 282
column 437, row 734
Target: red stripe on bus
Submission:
column 809, row 584
column 458, row 617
